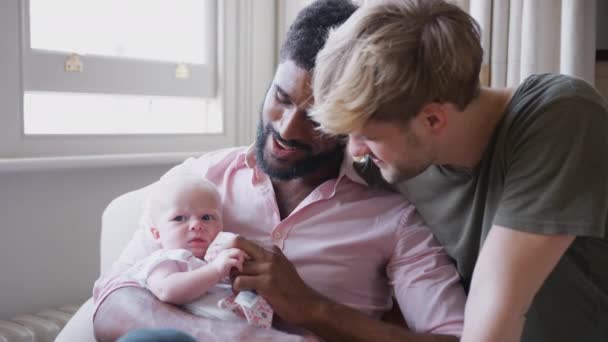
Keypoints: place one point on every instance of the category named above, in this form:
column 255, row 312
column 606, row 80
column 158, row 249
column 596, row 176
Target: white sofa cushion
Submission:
column 118, row 223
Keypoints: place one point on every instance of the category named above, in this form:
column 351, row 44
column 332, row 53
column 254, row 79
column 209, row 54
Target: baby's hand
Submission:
column 222, row 241
column 227, row 259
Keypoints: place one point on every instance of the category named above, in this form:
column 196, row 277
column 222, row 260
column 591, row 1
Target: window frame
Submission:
column 241, row 77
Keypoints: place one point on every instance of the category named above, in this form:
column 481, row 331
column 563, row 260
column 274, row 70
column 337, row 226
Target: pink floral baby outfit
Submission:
column 219, row 302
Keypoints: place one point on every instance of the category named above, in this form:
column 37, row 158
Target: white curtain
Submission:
column 523, row 37
column 519, row 37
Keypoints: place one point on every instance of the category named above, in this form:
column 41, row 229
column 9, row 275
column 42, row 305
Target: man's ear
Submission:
column 434, row 116
column 155, row 233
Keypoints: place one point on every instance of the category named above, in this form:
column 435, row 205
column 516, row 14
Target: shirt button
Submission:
column 277, row 235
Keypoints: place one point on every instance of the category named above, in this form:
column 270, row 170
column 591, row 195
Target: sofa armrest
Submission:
column 80, row 326
column 118, row 223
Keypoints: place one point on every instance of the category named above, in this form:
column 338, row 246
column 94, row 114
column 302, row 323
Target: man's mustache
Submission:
column 288, row 143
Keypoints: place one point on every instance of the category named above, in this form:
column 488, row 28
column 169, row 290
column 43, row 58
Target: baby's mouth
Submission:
column 197, row 242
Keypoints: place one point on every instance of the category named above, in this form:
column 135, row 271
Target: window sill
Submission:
column 96, row 161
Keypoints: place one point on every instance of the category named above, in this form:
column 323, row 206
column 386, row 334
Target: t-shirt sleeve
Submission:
column 424, row 279
column 556, row 170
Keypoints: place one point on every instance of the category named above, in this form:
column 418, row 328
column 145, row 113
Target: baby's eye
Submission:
column 207, row 217
column 179, row 218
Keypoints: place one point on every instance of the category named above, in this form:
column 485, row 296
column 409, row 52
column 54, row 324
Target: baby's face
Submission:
column 187, row 218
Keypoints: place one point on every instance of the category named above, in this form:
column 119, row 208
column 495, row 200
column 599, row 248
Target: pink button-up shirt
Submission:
column 354, row 244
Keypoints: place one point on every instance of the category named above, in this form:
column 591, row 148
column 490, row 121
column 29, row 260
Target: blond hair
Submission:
column 168, row 185
column 402, row 54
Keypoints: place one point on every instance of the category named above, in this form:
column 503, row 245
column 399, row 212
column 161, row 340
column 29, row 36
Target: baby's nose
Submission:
column 196, row 224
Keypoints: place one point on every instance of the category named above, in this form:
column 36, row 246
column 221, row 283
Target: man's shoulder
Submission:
column 549, row 106
column 378, row 201
column 225, row 155
column 543, row 92
column 384, row 196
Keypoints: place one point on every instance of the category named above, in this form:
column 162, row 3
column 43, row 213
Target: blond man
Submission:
column 513, row 182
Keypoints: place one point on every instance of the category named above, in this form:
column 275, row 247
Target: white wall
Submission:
column 49, row 232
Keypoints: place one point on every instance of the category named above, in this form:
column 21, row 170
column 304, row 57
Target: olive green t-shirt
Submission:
column 546, row 172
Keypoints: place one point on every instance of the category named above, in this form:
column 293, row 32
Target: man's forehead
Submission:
column 291, row 77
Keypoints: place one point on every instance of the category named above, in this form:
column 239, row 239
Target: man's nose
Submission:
column 293, row 125
column 357, row 148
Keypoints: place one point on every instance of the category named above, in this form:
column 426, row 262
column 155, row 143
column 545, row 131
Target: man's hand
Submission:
column 274, row 277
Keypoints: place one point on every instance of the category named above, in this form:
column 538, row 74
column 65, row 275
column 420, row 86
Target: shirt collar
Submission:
column 250, row 157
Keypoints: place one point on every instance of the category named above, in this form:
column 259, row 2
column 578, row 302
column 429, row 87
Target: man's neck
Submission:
column 289, row 194
column 481, row 119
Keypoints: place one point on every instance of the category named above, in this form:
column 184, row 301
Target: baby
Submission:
column 184, row 215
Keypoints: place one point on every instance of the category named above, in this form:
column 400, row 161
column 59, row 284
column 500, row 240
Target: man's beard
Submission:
column 299, row 169
column 417, row 163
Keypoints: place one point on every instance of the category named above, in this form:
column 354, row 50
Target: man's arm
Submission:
column 131, row 308
column 424, row 279
column 510, row 270
column 276, row 279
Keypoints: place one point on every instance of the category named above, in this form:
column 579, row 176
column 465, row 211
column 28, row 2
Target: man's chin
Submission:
column 275, row 168
column 394, row 176
column 390, row 176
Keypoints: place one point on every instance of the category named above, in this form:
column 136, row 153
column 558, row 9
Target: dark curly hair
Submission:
column 308, row 33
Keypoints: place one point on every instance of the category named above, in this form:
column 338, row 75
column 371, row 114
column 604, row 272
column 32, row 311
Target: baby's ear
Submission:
column 154, row 233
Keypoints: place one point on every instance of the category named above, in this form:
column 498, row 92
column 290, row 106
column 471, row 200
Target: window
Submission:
column 82, row 59
column 132, row 76
column 74, row 113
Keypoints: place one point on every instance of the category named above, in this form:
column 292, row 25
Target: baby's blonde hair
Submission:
column 173, row 182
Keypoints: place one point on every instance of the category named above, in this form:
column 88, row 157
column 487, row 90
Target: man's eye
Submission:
column 281, row 98
column 179, row 218
column 314, row 123
column 207, row 217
